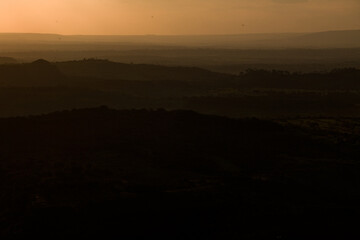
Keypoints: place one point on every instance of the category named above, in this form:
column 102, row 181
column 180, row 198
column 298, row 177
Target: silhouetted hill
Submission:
column 197, row 78
column 336, row 79
column 38, row 73
column 139, row 173
column 104, row 69
column 41, row 63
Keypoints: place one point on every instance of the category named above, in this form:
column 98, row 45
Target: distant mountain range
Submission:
column 329, row 39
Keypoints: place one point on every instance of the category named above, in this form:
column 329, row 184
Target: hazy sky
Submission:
column 177, row 16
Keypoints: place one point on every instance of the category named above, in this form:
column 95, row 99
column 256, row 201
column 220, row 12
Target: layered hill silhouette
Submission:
column 112, row 150
column 41, row 87
column 88, row 71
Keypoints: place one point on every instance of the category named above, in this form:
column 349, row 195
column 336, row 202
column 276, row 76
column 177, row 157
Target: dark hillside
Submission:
column 142, row 72
column 38, row 73
column 42, row 87
column 138, row 174
column 336, row 79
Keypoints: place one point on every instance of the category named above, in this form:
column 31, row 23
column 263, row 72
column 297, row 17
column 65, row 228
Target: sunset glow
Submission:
column 177, row 17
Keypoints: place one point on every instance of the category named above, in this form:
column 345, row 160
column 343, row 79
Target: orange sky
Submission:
column 177, row 16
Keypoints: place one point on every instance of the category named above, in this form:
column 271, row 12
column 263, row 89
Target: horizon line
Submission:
column 174, row 35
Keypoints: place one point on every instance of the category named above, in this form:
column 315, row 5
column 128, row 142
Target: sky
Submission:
column 177, row 17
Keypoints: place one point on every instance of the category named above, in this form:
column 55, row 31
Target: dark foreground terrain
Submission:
column 140, row 174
